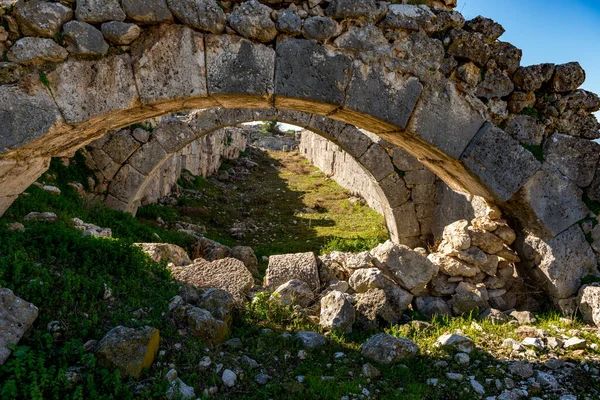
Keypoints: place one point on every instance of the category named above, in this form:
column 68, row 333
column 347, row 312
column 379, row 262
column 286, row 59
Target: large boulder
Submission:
column 410, row 269
column 246, row 255
column 300, row 266
column 374, row 309
column 41, row 18
column 228, row 274
column 128, row 350
column 589, row 303
column 219, row 303
column 387, row 349
column 293, row 292
column 164, row 251
column 337, row 312
column 16, row 316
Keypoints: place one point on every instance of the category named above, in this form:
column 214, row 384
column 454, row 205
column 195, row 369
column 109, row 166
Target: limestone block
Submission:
column 96, row 11
column 567, row 77
column 128, row 350
column 228, row 274
column 120, row 33
column 41, row 18
column 387, row 349
column 348, row 137
column 395, row 190
column 499, row 161
column 377, row 162
column 92, row 89
column 26, row 116
column 205, row 327
column 288, row 21
column 445, row 119
column 532, row 78
column 293, row 292
column 126, row 184
column 405, row 216
column 409, row 17
column 84, row 40
column 320, row 28
column 147, row 11
column 405, row 161
column 575, row 158
column 356, row 9
column 525, row 129
column 307, row 74
column 337, row 312
column 16, row 316
column 558, row 264
column 385, row 97
column 548, row 204
column 173, row 135
column 148, row 157
column 589, row 303
column 169, row 64
column 205, row 15
column 300, row 266
column 35, row 51
column 166, row 251
column 236, row 67
column 120, row 146
column 253, row 21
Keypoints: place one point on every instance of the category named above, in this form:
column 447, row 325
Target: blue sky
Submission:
column 556, row 31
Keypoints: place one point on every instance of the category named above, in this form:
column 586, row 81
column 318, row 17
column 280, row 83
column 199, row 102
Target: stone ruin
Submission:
column 444, row 89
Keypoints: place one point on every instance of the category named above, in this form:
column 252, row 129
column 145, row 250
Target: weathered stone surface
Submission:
column 145, row 159
column 10, row 73
column 507, row 56
column 119, row 146
column 205, row 15
column 454, row 342
column 120, row 33
column 409, row 17
column 169, row 64
column 485, row 240
column 499, row 161
column 366, row 42
column 41, row 18
column 457, row 235
column 355, row 9
column 410, row 269
column 147, row 11
column 377, row 162
column 490, row 29
column 205, row 327
column 85, row 90
column 374, row 308
column 294, row 292
column 567, row 77
column 431, row 306
column 33, row 51
column 548, row 204
column 246, row 255
column 533, row 77
column 560, row 262
column 385, row 95
column 128, row 350
column 452, row 266
column 589, row 303
column 320, row 28
column 25, row 117
column 471, row 46
column 575, row 158
column 445, row 119
column 337, row 312
column 84, row 40
column 365, row 279
column 408, row 215
column 300, row 266
column 237, row 66
column 496, row 83
column 165, row 251
column 219, row 303
column 307, row 72
column 228, row 274
column 253, row 20
column 172, row 134
column 387, row 349
column 16, row 316
column 96, row 11
column 525, row 129
column 288, row 21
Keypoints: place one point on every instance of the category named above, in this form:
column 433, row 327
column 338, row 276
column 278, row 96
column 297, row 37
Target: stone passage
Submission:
column 445, row 90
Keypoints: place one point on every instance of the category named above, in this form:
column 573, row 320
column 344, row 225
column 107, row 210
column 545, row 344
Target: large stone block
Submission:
column 16, row 316
column 169, row 64
column 574, row 157
column 377, row 162
column 348, row 137
column 93, row 89
column 446, row 118
column 382, row 99
column 394, row 189
column 300, row 266
column 173, row 135
column 239, row 72
column 558, row 264
column 26, row 116
column 548, row 204
column 126, row 184
column 148, row 157
column 499, row 161
column 407, row 224
column 310, row 78
column 41, row 18
column 147, row 11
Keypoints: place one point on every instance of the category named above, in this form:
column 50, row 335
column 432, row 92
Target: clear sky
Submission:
column 555, row 31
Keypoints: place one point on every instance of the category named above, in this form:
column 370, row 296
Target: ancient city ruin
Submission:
column 484, row 171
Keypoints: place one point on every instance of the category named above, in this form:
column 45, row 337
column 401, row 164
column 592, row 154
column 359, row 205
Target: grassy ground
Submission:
column 292, row 205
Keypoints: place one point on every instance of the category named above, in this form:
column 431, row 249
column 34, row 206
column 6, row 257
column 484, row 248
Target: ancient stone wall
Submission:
column 445, row 89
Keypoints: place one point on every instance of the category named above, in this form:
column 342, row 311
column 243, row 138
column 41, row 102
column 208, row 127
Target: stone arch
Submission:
column 420, row 77
column 130, row 180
